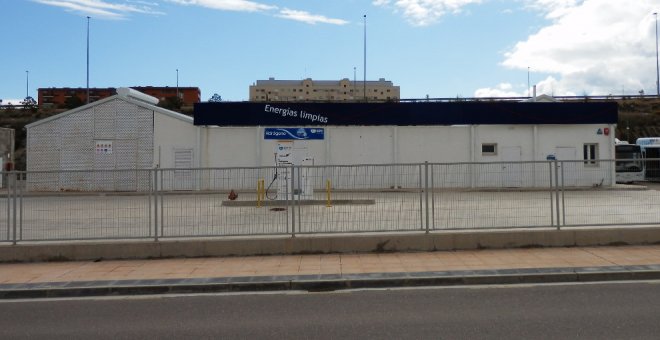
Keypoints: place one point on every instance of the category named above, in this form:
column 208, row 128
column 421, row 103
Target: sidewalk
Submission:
column 328, row 271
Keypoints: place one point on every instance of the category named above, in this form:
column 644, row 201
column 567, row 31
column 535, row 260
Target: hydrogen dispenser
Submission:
column 290, row 153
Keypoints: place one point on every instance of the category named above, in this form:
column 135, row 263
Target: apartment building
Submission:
column 57, row 97
column 324, row 90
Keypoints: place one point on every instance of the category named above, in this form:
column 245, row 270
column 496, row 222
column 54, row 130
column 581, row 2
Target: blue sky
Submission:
column 439, row 48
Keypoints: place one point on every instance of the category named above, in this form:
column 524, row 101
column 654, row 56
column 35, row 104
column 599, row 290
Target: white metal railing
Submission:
column 423, row 197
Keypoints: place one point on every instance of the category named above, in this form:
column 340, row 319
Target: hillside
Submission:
column 637, row 118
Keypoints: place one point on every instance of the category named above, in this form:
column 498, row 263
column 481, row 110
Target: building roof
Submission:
column 130, row 97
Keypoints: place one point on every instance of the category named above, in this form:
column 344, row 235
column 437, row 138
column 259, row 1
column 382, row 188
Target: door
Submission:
column 511, row 169
column 183, row 179
column 567, row 169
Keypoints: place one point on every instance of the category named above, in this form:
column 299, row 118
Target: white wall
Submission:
column 343, row 145
column 171, row 133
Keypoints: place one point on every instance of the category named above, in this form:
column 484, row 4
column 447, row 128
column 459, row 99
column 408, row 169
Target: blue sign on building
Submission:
column 294, row 133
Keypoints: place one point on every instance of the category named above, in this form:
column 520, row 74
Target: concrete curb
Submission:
column 320, row 283
column 329, row 243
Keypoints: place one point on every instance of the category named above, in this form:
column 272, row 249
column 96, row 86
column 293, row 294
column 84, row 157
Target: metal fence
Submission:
column 174, row 203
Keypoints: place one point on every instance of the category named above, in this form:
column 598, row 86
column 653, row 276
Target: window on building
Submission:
column 590, row 153
column 489, row 149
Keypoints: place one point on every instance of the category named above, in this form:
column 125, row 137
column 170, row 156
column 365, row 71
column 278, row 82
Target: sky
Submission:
column 434, row 48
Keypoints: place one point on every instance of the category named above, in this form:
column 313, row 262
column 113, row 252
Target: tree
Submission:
column 171, row 103
column 73, row 102
column 215, row 98
column 29, row 103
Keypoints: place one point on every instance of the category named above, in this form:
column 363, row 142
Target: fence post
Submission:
column 421, row 197
column 8, row 184
column 156, row 212
column 426, row 191
column 13, row 181
column 161, row 193
column 432, row 199
column 557, row 166
column 20, row 205
column 552, row 197
column 290, row 179
column 563, row 203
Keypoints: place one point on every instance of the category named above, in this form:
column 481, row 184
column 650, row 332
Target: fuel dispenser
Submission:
column 287, row 154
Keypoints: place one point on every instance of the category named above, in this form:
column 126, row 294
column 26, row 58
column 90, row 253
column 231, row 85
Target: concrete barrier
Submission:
column 335, row 243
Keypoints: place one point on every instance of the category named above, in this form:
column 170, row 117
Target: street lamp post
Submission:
column 27, row 84
column 177, row 84
column 354, row 82
column 87, row 60
column 364, row 79
column 657, row 64
column 528, row 93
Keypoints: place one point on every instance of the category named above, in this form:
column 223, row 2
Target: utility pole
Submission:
column 364, row 81
column 657, row 64
column 87, row 60
column 528, row 89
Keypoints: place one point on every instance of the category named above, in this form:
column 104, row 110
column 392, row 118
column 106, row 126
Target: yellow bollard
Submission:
column 327, row 191
column 260, row 191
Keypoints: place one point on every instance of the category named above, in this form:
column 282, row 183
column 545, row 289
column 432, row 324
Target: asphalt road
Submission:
column 584, row 311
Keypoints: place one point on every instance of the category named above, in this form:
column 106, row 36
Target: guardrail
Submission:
column 424, row 197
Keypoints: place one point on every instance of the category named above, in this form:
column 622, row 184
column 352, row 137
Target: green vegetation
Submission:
column 638, row 118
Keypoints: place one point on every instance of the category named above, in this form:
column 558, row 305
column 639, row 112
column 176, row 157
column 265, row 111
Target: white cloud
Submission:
column 101, row 8
column 228, row 5
column 309, row 18
column 501, row 90
column 595, row 47
column 553, row 8
column 425, row 12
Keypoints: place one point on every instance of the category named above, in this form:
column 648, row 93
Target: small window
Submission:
column 590, row 153
column 489, row 149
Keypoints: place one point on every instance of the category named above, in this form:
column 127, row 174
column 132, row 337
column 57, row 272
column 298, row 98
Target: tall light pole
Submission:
column 657, row 64
column 27, row 84
column 87, row 60
column 177, row 84
column 354, row 81
column 528, row 94
column 364, row 81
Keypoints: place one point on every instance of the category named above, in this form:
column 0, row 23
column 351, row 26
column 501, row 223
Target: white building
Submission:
column 124, row 132
column 128, row 132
